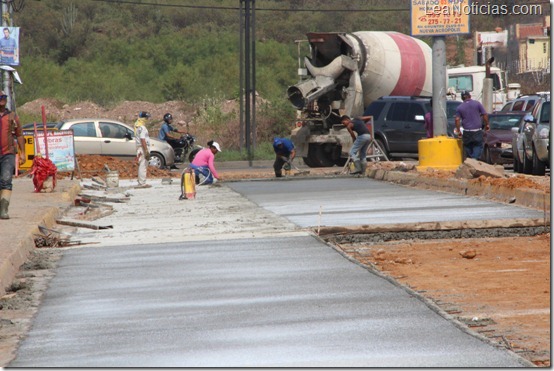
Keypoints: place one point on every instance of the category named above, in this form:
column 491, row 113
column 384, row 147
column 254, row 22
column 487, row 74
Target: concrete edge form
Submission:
column 435, row 226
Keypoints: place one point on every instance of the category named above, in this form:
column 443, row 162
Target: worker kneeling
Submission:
column 203, row 164
column 285, row 152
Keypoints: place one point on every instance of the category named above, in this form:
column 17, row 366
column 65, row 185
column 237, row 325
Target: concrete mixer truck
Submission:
column 344, row 74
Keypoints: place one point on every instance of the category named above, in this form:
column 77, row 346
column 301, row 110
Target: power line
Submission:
column 208, row 7
column 130, row 2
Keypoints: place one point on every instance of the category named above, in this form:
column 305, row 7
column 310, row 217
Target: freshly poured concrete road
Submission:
column 227, row 300
column 357, row 201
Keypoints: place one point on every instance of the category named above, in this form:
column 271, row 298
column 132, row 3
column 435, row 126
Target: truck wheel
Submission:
column 538, row 165
column 318, row 157
column 309, row 162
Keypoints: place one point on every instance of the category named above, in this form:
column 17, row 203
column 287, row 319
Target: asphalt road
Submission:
column 220, row 282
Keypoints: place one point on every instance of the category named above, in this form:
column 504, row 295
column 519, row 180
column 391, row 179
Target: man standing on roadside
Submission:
column 142, row 141
column 10, row 129
column 471, row 113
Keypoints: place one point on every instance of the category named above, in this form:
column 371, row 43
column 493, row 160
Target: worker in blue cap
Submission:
column 284, row 154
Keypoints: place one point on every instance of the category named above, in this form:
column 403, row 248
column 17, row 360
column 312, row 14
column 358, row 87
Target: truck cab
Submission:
column 471, row 79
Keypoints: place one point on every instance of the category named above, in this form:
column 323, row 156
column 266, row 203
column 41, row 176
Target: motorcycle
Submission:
column 182, row 146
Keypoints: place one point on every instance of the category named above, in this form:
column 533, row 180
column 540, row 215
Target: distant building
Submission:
column 533, row 46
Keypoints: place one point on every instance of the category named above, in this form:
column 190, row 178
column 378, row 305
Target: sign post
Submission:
column 439, row 18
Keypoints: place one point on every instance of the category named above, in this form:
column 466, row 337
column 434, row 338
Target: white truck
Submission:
column 471, row 78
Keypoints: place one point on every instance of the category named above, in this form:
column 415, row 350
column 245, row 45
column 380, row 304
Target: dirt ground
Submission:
column 498, row 287
column 502, row 293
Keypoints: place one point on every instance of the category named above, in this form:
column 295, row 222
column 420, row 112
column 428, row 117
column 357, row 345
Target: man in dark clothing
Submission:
column 166, row 129
column 358, row 152
column 471, row 113
column 285, row 152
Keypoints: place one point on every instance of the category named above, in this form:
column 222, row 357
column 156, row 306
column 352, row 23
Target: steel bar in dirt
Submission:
column 83, row 225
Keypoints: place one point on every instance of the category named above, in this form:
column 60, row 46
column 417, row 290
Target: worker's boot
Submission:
column 363, row 167
column 357, row 167
column 5, row 196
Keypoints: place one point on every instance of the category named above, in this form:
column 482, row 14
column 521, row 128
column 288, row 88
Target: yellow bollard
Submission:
column 442, row 153
column 189, row 184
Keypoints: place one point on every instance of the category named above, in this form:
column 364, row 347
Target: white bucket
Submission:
column 112, row 179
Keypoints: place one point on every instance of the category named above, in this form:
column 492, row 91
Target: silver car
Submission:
column 531, row 141
column 95, row 136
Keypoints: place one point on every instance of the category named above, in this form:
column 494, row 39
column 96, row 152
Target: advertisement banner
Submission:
column 61, row 149
column 440, row 17
column 9, row 46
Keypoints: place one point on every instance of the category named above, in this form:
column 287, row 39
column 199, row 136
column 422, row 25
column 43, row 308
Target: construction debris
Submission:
column 83, row 225
column 468, row 254
column 53, row 238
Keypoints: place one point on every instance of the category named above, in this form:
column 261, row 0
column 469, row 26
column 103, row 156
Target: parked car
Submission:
column 95, row 136
column 531, row 141
column 523, row 103
column 498, row 141
column 399, row 123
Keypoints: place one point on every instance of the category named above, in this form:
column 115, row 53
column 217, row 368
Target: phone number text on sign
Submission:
column 439, row 17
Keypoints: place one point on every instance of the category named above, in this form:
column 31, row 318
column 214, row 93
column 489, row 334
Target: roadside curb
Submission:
column 530, row 198
column 26, row 214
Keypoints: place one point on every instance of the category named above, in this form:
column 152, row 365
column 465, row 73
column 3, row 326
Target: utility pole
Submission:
column 439, row 86
column 6, row 85
column 248, row 74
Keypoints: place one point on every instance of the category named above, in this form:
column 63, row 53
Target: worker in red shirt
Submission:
column 10, row 131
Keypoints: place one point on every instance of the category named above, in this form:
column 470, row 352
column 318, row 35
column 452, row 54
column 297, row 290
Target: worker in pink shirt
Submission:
column 203, row 163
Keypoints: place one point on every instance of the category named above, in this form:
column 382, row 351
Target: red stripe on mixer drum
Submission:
column 412, row 71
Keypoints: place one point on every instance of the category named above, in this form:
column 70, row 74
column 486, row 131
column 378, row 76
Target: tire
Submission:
column 518, row 167
column 527, row 166
column 193, row 153
column 487, row 155
column 309, row 162
column 386, row 156
column 318, row 157
column 156, row 160
column 539, row 167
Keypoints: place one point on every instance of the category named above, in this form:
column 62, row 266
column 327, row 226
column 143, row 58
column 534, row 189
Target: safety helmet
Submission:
column 168, row 117
column 143, row 114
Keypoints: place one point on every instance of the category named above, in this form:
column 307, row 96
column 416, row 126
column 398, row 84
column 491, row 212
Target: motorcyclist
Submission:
column 166, row 129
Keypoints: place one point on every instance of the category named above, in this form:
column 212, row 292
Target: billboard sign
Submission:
column 440, row 17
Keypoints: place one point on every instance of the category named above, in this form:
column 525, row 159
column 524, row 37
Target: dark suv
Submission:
column 399, row 123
